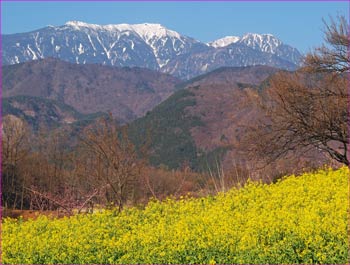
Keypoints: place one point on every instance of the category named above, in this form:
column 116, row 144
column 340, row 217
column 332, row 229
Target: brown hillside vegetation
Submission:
column 206, row 122
column 127, row 93
column 224, row 100
column 229, row 104
column 308, row 109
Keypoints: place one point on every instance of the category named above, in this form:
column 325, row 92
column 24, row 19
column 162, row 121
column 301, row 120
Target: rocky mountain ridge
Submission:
column 146, row 45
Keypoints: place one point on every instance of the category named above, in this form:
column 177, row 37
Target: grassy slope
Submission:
column 297, row 220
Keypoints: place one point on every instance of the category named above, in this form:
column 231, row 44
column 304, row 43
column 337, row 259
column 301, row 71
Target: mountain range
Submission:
column 147, row 45
column 198, row 122
column 187, row 100
column 184, row 122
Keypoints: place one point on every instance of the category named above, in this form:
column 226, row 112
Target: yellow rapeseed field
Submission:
column 300, row 219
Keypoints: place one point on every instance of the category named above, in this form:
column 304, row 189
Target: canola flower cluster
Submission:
column 296, row 220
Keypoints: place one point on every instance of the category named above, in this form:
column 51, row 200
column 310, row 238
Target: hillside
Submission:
column 127, row 93
column 44, row 113
column 199, row 122
column 299, row 220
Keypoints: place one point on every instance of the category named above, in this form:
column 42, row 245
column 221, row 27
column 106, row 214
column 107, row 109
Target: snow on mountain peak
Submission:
column 144, row 30
column 154, row 35
column 223, row 42
column 149, row 30
column 147, row 45
column 263, row 42
column 74, row 23
column 78, row 24
column 257, row 36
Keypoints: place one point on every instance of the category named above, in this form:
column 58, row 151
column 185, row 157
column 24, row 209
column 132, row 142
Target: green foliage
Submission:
column 168, row 129
column 203, row 76
column 296, row 220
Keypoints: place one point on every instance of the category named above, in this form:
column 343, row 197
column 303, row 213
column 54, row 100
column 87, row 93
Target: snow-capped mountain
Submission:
column 223, row 42
column 164, row 43
column 146, row 45
column 262, row 42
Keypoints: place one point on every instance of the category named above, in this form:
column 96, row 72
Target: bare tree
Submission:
column 308, row 110
column 14, row 150
column 333, row 56
column 304, row 114
column 112, row 159
column 14, row 141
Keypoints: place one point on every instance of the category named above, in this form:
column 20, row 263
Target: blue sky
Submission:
column 296, row 23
